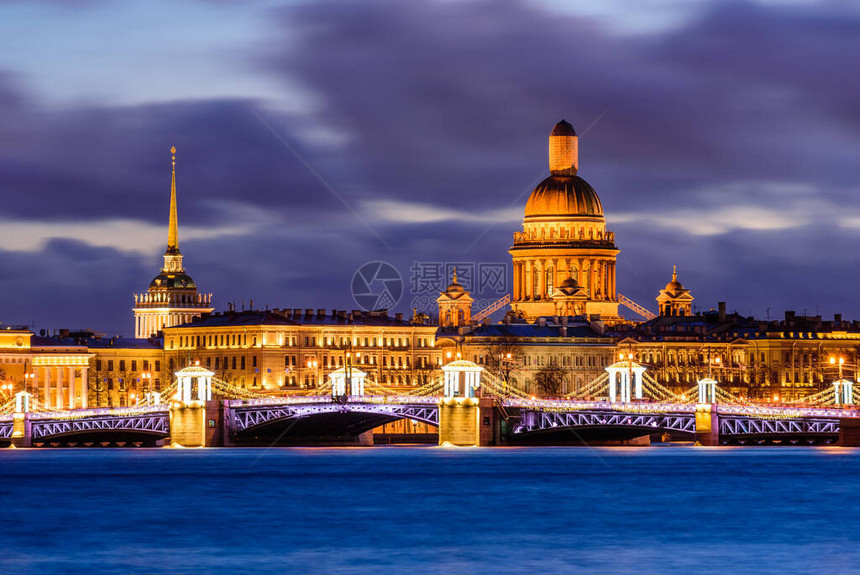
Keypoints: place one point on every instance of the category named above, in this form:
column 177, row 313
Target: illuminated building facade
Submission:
column 281, row 349
column 550, row 357
column 54, row 372
column 564, row 259
column 172, row 297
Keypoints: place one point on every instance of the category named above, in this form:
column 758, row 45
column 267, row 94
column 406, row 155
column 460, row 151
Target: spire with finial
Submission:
column 674, row 273
column 454, row 276
column 172, row 256
column 173, row 231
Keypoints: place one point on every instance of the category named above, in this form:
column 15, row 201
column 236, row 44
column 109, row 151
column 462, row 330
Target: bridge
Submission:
column 468, row 405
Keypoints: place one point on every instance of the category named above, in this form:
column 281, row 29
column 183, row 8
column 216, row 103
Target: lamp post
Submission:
column 28, row 377
column 505, row 359
column 841, row 361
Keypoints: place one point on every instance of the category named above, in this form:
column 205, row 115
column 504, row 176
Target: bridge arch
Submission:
column 288, row 423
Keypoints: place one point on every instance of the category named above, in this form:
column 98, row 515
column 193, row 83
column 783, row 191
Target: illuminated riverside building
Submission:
column 172, row 297
column 564, row 258
column 281, row 349
column 553, row 356
column 54, row 372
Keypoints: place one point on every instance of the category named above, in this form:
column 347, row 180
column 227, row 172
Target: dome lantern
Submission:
column 563, row 150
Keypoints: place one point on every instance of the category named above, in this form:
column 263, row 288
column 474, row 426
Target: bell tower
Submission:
column 455, row 305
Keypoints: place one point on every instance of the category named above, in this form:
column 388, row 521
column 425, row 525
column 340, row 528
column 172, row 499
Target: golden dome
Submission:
column 674, row 285
column 563, row 196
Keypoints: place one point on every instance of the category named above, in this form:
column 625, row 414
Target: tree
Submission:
column 98, row 387
column 550, row 380
column 501, row 358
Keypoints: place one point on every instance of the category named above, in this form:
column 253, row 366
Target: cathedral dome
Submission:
column 563, row 196
column 172, row 281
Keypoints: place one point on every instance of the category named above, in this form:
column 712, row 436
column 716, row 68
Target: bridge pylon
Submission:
column 22, row 435
column 351, row 375
column 707, row 424
column 843, row 391
column 625, row 380
column 707, row 390
column 194, row 416
column 465, row 418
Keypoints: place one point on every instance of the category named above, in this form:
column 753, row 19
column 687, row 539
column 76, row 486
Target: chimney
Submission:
column 398, row 317
column 541, row 321
column 837, row 319
column 722, row 307
column 320, row 312
column 309, row 312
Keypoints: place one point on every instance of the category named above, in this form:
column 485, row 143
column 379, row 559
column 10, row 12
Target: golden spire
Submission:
column 173, row 231
column 454, row 276
column 674, row 273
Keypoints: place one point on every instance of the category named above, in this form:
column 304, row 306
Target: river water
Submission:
column 663, row 509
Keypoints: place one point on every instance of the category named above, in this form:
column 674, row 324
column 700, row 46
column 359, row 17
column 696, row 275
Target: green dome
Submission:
column 172, row 281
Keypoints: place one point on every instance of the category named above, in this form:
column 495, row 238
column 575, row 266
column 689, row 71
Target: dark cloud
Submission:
column 448, row 105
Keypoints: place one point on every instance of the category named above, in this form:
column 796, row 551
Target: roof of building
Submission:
column 563, row 128
column 563, row 196
column 172, row 281
column 573, row 329
column 296, row 317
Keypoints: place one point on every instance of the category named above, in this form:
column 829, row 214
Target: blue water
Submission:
column 668, row 509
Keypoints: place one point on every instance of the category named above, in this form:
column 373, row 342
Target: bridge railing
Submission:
column 100, row 411
column 303, row 400
column 579, row 405
column 785, row 411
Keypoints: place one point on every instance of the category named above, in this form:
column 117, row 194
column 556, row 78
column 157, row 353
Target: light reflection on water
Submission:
column 666, row 509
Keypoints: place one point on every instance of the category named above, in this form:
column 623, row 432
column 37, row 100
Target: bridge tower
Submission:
column 707, row 390
column 339, row 378
column 194, row 420
column 465, row 418
column 843, row 391
column 625, row 376
column 21, row 429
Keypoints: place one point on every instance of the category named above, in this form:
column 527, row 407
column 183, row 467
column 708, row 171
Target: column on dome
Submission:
column 541, row 279
column 529, row 281
column 516, row 278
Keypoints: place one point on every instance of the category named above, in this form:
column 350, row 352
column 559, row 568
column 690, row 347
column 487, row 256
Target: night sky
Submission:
column 314, row 137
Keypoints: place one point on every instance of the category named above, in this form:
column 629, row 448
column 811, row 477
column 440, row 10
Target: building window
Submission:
column 254, row 361
column 243, row 362
column 110, row 365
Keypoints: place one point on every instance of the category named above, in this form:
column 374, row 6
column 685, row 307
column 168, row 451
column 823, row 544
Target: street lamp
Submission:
column 841, row 361
column 28, row 377
column 7, row 391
